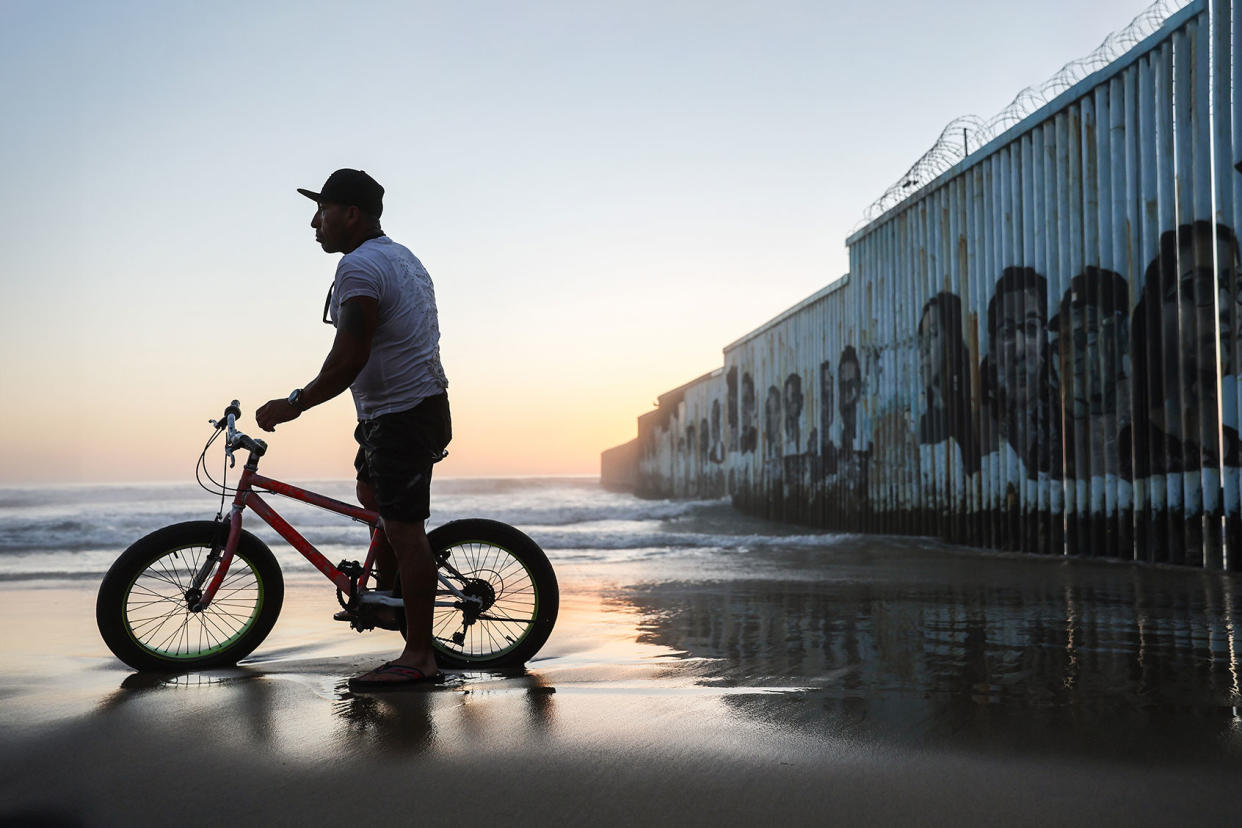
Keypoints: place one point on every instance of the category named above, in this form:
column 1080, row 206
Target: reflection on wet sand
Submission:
column 927, row 645
column 763, row 680
column 405, row 723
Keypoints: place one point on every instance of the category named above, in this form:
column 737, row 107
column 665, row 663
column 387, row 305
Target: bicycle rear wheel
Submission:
column 515, row 583
column 143, row 607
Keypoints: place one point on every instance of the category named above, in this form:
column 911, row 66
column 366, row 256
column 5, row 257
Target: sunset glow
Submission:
column 604, row 196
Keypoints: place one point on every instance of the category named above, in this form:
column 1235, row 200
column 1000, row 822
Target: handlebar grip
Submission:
column 233, row 408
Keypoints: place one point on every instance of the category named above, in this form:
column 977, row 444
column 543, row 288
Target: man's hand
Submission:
column 274, row 412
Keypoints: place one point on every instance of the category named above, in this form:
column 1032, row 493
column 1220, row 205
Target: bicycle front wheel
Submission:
column 143, row 607
column 516, row 587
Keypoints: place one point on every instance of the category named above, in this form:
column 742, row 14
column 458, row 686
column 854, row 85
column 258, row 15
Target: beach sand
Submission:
column 875, row 681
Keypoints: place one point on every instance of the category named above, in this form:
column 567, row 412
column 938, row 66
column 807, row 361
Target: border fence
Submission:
column 1038, row 345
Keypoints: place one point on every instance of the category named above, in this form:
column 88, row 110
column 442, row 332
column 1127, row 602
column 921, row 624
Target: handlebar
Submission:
column 234, row 438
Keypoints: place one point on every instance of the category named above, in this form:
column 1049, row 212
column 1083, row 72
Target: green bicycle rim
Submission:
column 198, row 654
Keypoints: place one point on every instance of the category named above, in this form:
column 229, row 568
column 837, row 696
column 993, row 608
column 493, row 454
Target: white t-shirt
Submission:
column 404, row 367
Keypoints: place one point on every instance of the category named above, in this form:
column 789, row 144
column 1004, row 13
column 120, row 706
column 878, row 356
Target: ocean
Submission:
column 75, row 532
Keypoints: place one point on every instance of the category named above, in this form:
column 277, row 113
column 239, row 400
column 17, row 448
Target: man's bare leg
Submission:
column 417, row 567
column 385, row 560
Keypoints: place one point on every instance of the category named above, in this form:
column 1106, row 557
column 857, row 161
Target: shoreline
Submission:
column 869, row 682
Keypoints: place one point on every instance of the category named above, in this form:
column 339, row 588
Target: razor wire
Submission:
column 963, row 133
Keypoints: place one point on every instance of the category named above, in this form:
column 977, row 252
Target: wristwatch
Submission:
column 295, row 399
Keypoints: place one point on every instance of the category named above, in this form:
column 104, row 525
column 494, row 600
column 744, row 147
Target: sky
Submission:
column 605, row 194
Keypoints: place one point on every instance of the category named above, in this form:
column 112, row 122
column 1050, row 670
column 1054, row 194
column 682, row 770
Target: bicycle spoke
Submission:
column 500, row 620
column 159, row 617
column 514, row 606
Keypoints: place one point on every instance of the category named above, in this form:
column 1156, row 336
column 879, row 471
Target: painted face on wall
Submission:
column 793, row 408
column 1098, row 361
column 1229, row 299
column 851, row 387
column 932, row 350
column 849, row 380
column 1021, row 335
column 772, row 420
column 1195, row 279
column 1196, row 316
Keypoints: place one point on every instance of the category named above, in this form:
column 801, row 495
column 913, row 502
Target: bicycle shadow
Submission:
column 261, row 709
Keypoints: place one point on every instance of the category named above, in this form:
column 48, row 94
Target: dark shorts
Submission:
column 395, row 455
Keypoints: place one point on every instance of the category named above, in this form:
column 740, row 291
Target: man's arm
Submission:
column 351, row 348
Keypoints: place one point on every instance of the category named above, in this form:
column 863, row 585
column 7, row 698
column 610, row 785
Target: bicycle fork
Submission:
column 219, row 558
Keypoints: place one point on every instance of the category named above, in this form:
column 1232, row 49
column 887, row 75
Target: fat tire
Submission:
column 509, row 559
column 157, row 561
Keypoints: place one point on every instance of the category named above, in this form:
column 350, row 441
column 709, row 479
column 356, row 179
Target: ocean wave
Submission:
column 569, row 515
column 553, row 539
column 51, row 575
column 76, row 532
column 74, row 526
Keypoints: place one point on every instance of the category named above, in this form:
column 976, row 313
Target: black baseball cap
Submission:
column 352, row 188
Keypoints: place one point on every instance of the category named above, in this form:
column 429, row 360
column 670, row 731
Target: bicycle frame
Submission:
column 247, row 496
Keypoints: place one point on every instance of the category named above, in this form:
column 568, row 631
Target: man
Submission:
column 387, row 352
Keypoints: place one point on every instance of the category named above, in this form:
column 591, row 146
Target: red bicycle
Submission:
column 206, row 593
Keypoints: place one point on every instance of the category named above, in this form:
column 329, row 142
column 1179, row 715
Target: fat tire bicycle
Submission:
column 206, row 593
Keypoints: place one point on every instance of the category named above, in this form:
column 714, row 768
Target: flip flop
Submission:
column 406, row 677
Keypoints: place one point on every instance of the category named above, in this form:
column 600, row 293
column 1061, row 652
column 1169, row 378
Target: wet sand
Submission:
column 870, row 681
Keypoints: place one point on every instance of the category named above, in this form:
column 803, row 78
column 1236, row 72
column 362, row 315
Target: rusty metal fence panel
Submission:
column 1037, row 349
